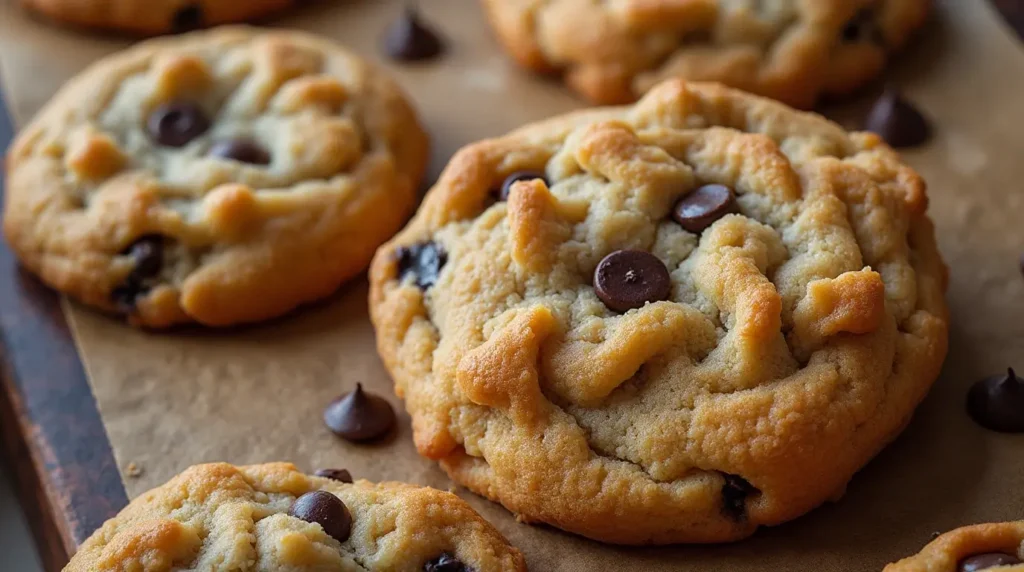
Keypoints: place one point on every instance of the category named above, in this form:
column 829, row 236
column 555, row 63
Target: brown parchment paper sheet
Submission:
column 256, row 394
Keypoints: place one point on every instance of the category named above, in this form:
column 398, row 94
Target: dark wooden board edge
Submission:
column 54, row 442
column 1013, row 13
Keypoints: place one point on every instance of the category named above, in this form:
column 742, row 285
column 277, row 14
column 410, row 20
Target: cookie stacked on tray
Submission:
column 674, row 321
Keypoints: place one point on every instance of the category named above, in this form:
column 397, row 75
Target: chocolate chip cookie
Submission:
column 154, row 16
column 791, row 50
column 271, row 517
column 684, row 319
column 216, row 177
column 996, row 547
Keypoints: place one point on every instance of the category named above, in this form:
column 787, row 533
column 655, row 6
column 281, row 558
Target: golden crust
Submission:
column 153, row 16
column 793, row 51
column 945, row 552
column 221, row 517
column 799, row 337
column 244, row 243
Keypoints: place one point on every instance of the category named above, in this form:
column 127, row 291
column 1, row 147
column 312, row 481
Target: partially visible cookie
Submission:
column 791, row 50
column 216, row 177
column 996, row 547
column 273, row 518
column 154, row 16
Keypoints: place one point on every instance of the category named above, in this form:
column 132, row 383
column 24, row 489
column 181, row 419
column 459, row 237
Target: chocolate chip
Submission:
column 863, row 27
column 445, row 563
column 997, row 403
column 189, row 17
column 335, row 474
column 424, row 261
column 986, row 561
column 324, row 509
column 359, row 416
column 148, row 254
column 702, row 207
column 897, row 121
column 627, row 279
column 175, row 124
column 506, row 186
column 734, row 495
column 1021, row 261
column 241, row 150
column 409, row 39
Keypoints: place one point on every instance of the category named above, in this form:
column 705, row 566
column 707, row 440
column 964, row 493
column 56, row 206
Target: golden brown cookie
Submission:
column 154, row 16
column 791, row 50
column 273, row 518
column 217, row 177
column 995, row 547
column 670, row 322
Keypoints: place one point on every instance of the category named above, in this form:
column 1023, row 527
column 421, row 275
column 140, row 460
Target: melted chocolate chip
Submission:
column 241, row 150
column 702, row 207
column 986, row 561
column 445, row 563
column 897, row 121
column 863, row 27
column 359, row 416
column 148, row 253
column 424, row 261
column 324, row 509
column 506, row 185
column 175, row 124
column 997, row 403
column 189, row 17
column 734, row 496
column 341, row 475
column 409, row 39
column 627, row 279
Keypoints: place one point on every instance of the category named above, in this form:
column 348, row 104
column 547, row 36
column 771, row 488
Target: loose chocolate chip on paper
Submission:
column 187, row 18
column 409, row 39
column 987, row 561
column 627, row 279
column 175, row 124
column 241, row 150
column 445, row 563
column 341, row 475
column 359, row 416
column 506, row 185
column 734, row 495
column 702, row 207
column 997, row 402
column 325, row 509
column 897, row 121
column 424, row 261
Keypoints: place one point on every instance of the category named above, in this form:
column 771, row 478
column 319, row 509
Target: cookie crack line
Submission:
column 757, row 265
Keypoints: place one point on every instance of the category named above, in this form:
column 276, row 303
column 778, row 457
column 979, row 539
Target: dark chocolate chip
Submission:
column 734, row 495
column 863, row 27
column 986, row 561
column 175, row 124
column 627, row 279
column 359, row 416
column 324, row 509
column 702, row 207
column 506, row 186
column 997, row 403
column 424, row 261
column 445, row 563
column 148, row 253
column 409, row 39
column 335, row 474
column 1021, row 261
column 241, row 150
column 897, row 121
column 189, row 17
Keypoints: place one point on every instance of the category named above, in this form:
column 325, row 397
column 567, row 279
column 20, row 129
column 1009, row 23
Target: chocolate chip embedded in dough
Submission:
column 325, row 509
column 627, row 279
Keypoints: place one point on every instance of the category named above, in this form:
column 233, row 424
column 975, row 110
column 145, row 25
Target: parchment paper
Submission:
column 256, row 394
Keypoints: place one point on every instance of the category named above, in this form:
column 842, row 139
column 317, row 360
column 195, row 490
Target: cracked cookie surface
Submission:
column 217, row 177
column 218, row 517
column 997, row 547
column 801, row 324
column 791, row 50
column 154, row 16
